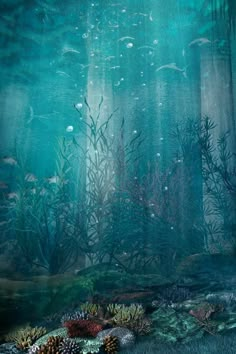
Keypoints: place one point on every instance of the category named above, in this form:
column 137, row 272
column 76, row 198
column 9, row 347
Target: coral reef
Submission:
column 141, row 326
column 74, row 316
column 171, row 295
column 127, row 315
column 91, row 309
column 82, row 328
column 125, row 336
column 59, row 332
column 68, row 346
column 51, row 347
column 111, row 344
column 26, row 336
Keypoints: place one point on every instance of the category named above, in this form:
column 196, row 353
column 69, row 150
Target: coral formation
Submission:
column 141, row 327
column 113, row 309
column 111, row 344
column 59, row 332
column 125, row 336
column 75, row 315
column 128, row 315
column 68, row 346
column 51, row 347
column 172, row 294
column 82, row 328
column 26, row 336
column 91, row 309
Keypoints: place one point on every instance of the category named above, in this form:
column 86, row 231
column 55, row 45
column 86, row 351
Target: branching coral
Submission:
column 76, row 315
column 141, row 326
column 128, row 314
column 82, row 328
column 113, row 309
column 111, row 344
column 26, row 336
column 131, row 317
column 51, row 347
column 92, row 309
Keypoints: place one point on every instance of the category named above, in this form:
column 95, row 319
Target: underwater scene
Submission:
column 118, row 176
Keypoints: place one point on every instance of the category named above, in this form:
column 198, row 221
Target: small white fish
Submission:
column 109, row 57
column 150, row 16
column 124, row 38
column 199, row 42
column 172, row 66
column 9, row 160
column 69, row 129
column 146, row 47
column 63, row 73
column 30, row 177
column 13, row 195
column 66, row 50
column 115, row 67
column 53, row 180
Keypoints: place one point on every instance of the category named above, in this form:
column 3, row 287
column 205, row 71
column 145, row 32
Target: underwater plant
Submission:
column 217, row 222
column 24, row 337
column 42, row 222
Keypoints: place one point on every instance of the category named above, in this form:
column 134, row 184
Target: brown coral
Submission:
column 24, row 337
column 51, row 347
column 111, row 344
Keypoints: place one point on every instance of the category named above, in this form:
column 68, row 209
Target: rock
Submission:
column 210, row 269
column 125, row 336
column 9, row 348
column 171, row 326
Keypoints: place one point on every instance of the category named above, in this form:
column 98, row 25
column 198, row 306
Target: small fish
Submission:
column 9, row 160
column 3, row 185
column 124, row 38
column 13, row 195
column 146, row 47
column 109, row 57
column 53, row 180
column 115, row 67
column 199, row 42
column 173, row 66
column 69, row 50
column 2, row 223
column 63, row 73
column 30, row 177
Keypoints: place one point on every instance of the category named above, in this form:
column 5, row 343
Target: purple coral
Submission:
column 74, row 316
column 68, row 346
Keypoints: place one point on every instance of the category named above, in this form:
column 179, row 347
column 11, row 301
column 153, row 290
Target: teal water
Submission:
column 117, row 161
